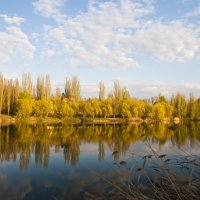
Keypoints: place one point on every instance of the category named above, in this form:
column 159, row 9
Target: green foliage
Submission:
column 180, row 106
column 106, row 108
column 25, row 107
column 159, row 111
column 27, row 100
column 66, row 109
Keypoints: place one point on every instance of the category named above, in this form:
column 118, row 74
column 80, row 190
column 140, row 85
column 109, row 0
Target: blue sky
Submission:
column 150, row 46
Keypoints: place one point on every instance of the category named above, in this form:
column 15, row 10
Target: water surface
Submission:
column 67, row 162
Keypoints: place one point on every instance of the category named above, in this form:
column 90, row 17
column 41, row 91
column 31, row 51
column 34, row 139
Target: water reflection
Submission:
column 37, row 142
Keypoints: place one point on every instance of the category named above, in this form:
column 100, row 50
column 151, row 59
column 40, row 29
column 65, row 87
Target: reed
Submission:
column 166, row 178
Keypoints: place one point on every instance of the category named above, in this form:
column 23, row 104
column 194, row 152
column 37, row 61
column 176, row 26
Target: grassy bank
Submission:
column 6, row 119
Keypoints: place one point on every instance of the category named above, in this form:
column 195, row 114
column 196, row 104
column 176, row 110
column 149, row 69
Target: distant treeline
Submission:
column 25, row 100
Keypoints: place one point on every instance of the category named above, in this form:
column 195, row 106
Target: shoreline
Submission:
column 8, row 120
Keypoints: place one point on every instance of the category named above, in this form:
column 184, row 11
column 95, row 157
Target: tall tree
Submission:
column 125, row 93
column 68, row 89
column 40, row 87
column 180, row 105
column 76, row 90
column 47, row 87
column 117, row 98
column 8, row 95
column 191, row 107
column 1, row 92
column 117, row 91
column 101, row 91
column 27, row 84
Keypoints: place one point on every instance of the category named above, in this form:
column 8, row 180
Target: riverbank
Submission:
column 6, row 120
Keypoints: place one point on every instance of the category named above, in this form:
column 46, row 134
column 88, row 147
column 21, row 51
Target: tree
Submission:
column 197, row 109
column 125, row 109
column 16, row 92
column 106, row 108
column 137, row 108
column 125, row 94
column 97, row 107
column 47, row 87
column 72, row 89
column 66, row 109
column 117, row 98
column 101, row 91
column 40, row 87
column 191, row 107
column 168, row 109
column 161, row 98
column 8, row 95
column 68, row 89
column 46, row 107
column 76, row 90
column 25, row 105
column 1, row 92
column 89, row 109
column 27, row 84
column 117, row 91
column 159, row 111
column 180, row 106
column 43, row 87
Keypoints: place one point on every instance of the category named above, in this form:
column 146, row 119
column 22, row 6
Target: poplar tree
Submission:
column 27, row 84
column 117, row 98
column 101, row 91
column 125, row 94
column 40, row 87
column 191, row 107
column 68, row 89
column 1, row 92
column 47, row 87
column 117, row 91
column 76, row 90
column 15, row 95
column 8, row 95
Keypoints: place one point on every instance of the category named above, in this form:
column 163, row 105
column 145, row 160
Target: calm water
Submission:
column 66, row 162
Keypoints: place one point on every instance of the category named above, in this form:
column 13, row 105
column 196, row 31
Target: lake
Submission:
column 86, row 161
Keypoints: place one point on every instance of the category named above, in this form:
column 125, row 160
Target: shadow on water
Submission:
column 104, row 161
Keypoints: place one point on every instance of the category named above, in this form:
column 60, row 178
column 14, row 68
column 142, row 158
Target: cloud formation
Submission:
column 146, row 90
column 49, row 8
column 96, row 38
column 13, row 20
column 14, row 43
column 111, row 33
column 167, row 41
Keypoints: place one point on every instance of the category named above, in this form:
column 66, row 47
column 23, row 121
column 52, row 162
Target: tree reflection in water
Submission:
column 25, row 141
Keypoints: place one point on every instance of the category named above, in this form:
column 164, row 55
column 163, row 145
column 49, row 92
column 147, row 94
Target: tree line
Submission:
column 24, row 99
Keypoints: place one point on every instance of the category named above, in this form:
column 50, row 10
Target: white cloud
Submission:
column 49, row 8
column 110, row 34
column 149, row 89
column 95, row 38
column 13, row 20
column 153, row 89
column 172, row 41
column 14, row 43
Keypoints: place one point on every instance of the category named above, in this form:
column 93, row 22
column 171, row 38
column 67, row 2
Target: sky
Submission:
column 150, row 46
